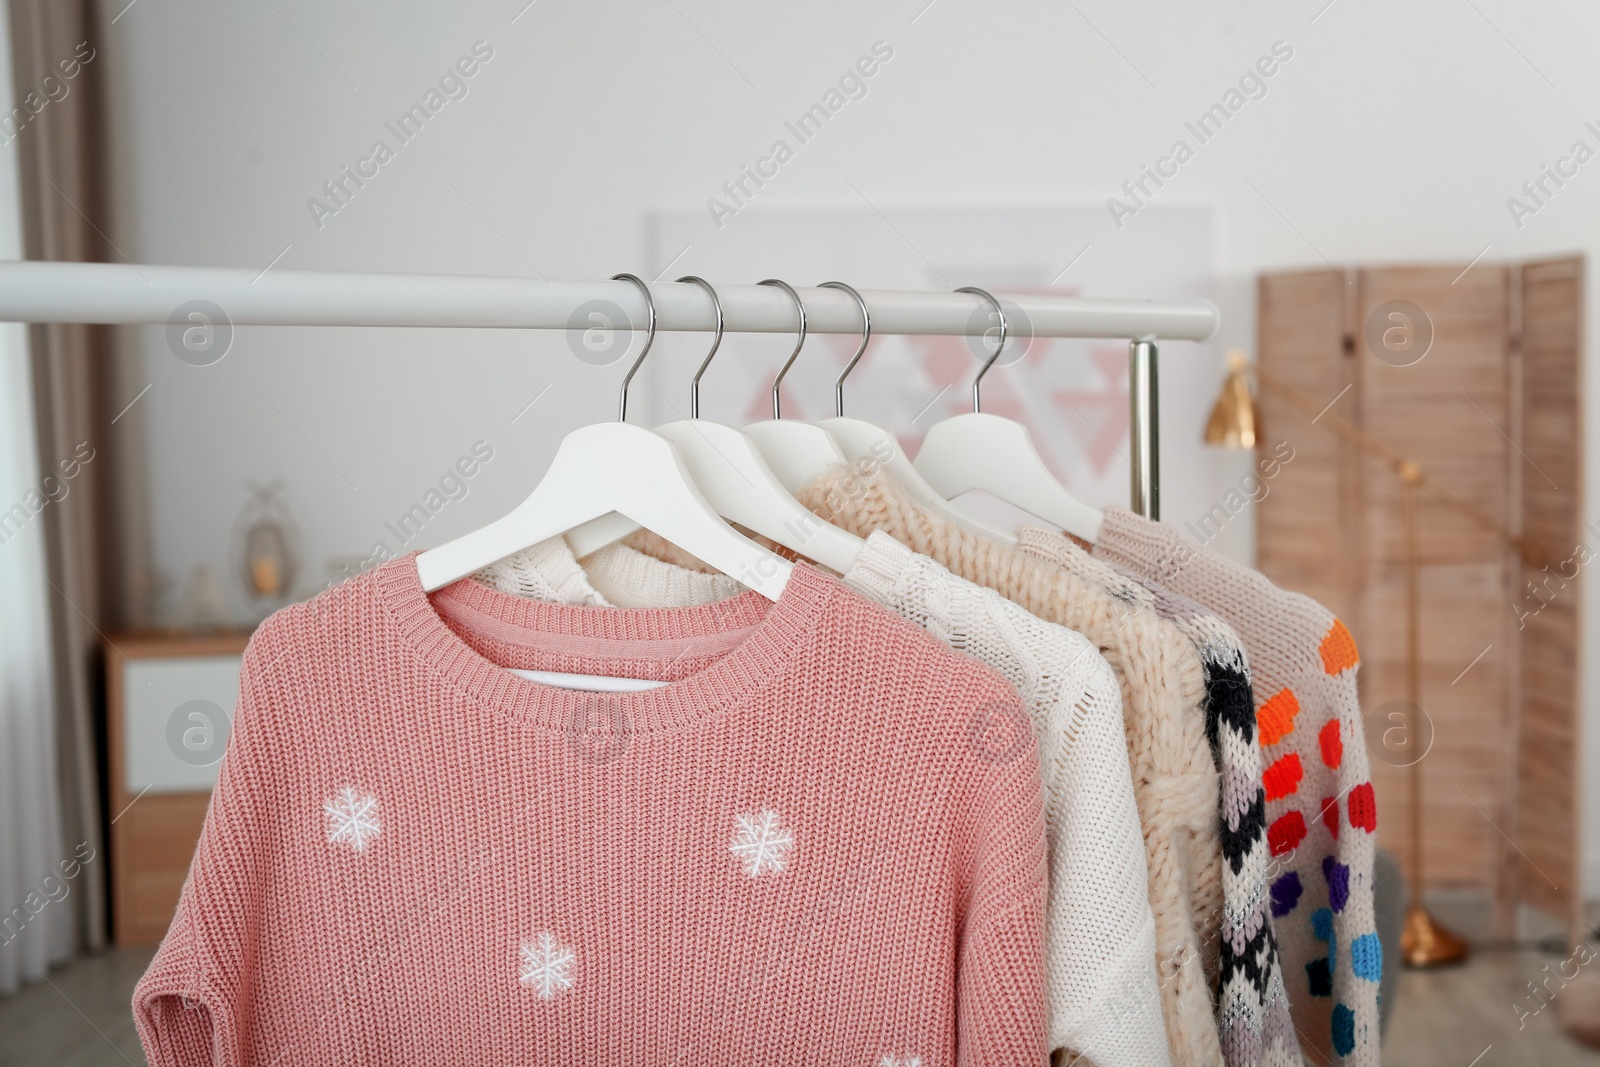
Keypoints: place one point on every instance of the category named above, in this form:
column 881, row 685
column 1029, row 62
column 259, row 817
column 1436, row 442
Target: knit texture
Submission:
column 1321, row 817
column 1163, row 690
column 1253, row 1008
column 794, row 852
column 546, row 571
column 1099, row 929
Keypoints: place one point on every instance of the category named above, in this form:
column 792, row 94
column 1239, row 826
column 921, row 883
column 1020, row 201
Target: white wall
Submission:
column 1396, row 132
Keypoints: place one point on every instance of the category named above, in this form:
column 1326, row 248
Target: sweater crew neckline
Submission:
column 710, row 655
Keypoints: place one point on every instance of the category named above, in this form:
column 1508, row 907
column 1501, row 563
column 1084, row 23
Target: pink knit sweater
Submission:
column 803, row 849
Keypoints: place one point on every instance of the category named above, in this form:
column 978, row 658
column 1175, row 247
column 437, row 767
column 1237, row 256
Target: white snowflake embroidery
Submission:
column 896, row 1061
column 761, row 843
column 352, row 818
column 547, row 966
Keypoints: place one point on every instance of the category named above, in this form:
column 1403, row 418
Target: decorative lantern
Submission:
column 267, row 557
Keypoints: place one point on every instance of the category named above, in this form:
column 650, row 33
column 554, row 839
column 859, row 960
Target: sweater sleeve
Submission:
column 180, row 1022
column 187, row 1007
column 1000, row 992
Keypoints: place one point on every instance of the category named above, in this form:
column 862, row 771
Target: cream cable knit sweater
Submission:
column 1099, row 929
column 1320, row 811
column 1253, row 1008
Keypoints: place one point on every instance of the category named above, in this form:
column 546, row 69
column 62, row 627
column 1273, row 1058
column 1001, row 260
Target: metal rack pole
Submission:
column 133, row 293
column 130, row 293
column 1144, row 429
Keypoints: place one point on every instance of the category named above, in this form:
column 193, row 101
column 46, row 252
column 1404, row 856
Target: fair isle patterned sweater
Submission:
column 1321, row 816
column 792, row 853
column 1253, row 1010
column 1099, row 929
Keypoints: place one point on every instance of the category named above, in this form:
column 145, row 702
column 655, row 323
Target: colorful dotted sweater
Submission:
column 1320, row 812
column 792, row 853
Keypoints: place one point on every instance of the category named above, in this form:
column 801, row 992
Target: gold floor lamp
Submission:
column 1424, row 941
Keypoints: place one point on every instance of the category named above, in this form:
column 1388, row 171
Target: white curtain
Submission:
column 37, row 924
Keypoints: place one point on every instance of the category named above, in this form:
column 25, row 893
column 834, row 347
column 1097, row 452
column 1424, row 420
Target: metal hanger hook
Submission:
column 649, row 339
column 1001, row 315
column 799, row 341
column 866, row 335
column 716, row 343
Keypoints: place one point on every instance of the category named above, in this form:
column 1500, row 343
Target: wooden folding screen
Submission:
column 1489, row 408
column 1548, row 867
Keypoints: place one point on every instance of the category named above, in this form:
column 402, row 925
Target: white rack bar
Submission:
column 124, row 293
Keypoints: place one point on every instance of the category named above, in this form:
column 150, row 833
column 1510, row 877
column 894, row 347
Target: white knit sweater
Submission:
column 1100, row 932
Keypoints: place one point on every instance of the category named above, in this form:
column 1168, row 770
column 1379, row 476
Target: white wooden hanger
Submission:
column 866, row 444
column 978, row 451
column 613, row 467
column 796, row 451
column 733, row 476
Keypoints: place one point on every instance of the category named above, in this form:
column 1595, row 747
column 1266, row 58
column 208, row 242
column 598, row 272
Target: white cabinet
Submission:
column 177, row 715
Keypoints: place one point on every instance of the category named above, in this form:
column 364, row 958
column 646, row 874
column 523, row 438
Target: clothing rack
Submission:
column 113, row 293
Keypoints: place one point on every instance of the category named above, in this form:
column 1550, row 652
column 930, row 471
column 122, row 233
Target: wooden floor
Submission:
column 1468, row 1016
column 1462, row 1017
